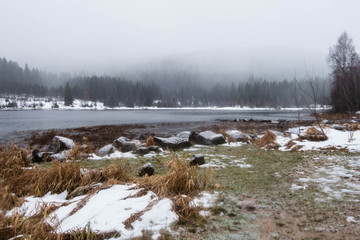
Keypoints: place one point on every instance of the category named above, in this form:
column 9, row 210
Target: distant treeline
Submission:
column 115, row 91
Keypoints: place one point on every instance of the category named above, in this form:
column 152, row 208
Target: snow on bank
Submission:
column 336, row 139
column 45, row 103
column 114, row 155
column 108, row 209
column 23, row 103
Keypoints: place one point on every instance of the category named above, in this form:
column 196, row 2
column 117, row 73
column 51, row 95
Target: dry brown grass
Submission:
column 336, row 116
column 33, row 227
column 118, row 173
column 187, row 212
column 9, row 200
column 312, row 134
column 181, row 179
column 19, row 182
column 226, row 136
column 42, row 138
column 296, row 148
column 55, row 179
column 12, row 160
column 267, row 141
column 246, row 139
column 38, row 181
column 352, row 127
column 290, row 144
column 136, row 216
column 150, row 141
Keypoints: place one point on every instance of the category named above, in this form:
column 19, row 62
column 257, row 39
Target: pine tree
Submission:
column 68, row 99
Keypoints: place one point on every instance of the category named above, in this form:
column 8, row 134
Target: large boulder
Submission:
column 64, row 155
column 147, row 169
column 236, row 135
column 207, row 138
column 184, row 135
column 126, row 145
column 198, row 139
column 59, row 144
column 154, row 148
column 119, row 142
column 106, row 150
column 142, row 150
column 173, row 143
column 197, row 159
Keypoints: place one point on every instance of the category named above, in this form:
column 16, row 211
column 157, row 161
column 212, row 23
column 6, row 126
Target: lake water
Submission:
column 27, row 120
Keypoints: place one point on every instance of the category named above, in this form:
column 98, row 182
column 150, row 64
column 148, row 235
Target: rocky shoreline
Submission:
column 98, row 136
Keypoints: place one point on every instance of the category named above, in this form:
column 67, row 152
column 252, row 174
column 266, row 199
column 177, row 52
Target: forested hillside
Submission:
column 185, row 89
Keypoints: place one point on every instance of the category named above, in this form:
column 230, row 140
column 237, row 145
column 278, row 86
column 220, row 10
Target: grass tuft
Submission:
column 267, row 141
column 227, row 137
column 150, row 141
column 312, row 134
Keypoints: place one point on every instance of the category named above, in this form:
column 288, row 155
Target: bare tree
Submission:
column 345, row 65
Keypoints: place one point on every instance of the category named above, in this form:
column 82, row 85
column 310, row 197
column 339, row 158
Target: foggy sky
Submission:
column 111, row 35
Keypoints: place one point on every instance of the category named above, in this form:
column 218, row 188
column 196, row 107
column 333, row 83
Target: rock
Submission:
column 142, row 137
column 246, row 205
column 236, row 135
column 154, row 148
column 339, row 128
column 64, row 155
column 130, row 146
column 173, row 143
column 126, row 145
column 265, row 121
column 118, row 142
column 207, row 138
column 214, row 138
column 142, row 150
column 59, row 144
column 253, row 137
column 39, row 157
column 184, row 135
column 106, row 150
column 198, row 139
column 197, row 159
column 148, row 169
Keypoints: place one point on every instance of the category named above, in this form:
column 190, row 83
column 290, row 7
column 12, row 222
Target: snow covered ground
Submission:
column 338, row 178
column 337, row 139
column 25, row 103
column 108, row 209
column 46, row 103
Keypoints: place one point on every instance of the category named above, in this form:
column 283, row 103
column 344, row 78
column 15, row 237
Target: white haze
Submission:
column 279, row 38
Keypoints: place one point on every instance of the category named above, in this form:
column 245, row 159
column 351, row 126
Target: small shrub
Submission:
column 312, row 134
column 150, row 142
column 181, row 179
column 267, row 141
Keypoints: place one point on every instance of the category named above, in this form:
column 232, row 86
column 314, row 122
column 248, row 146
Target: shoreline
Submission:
column 101, row 135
